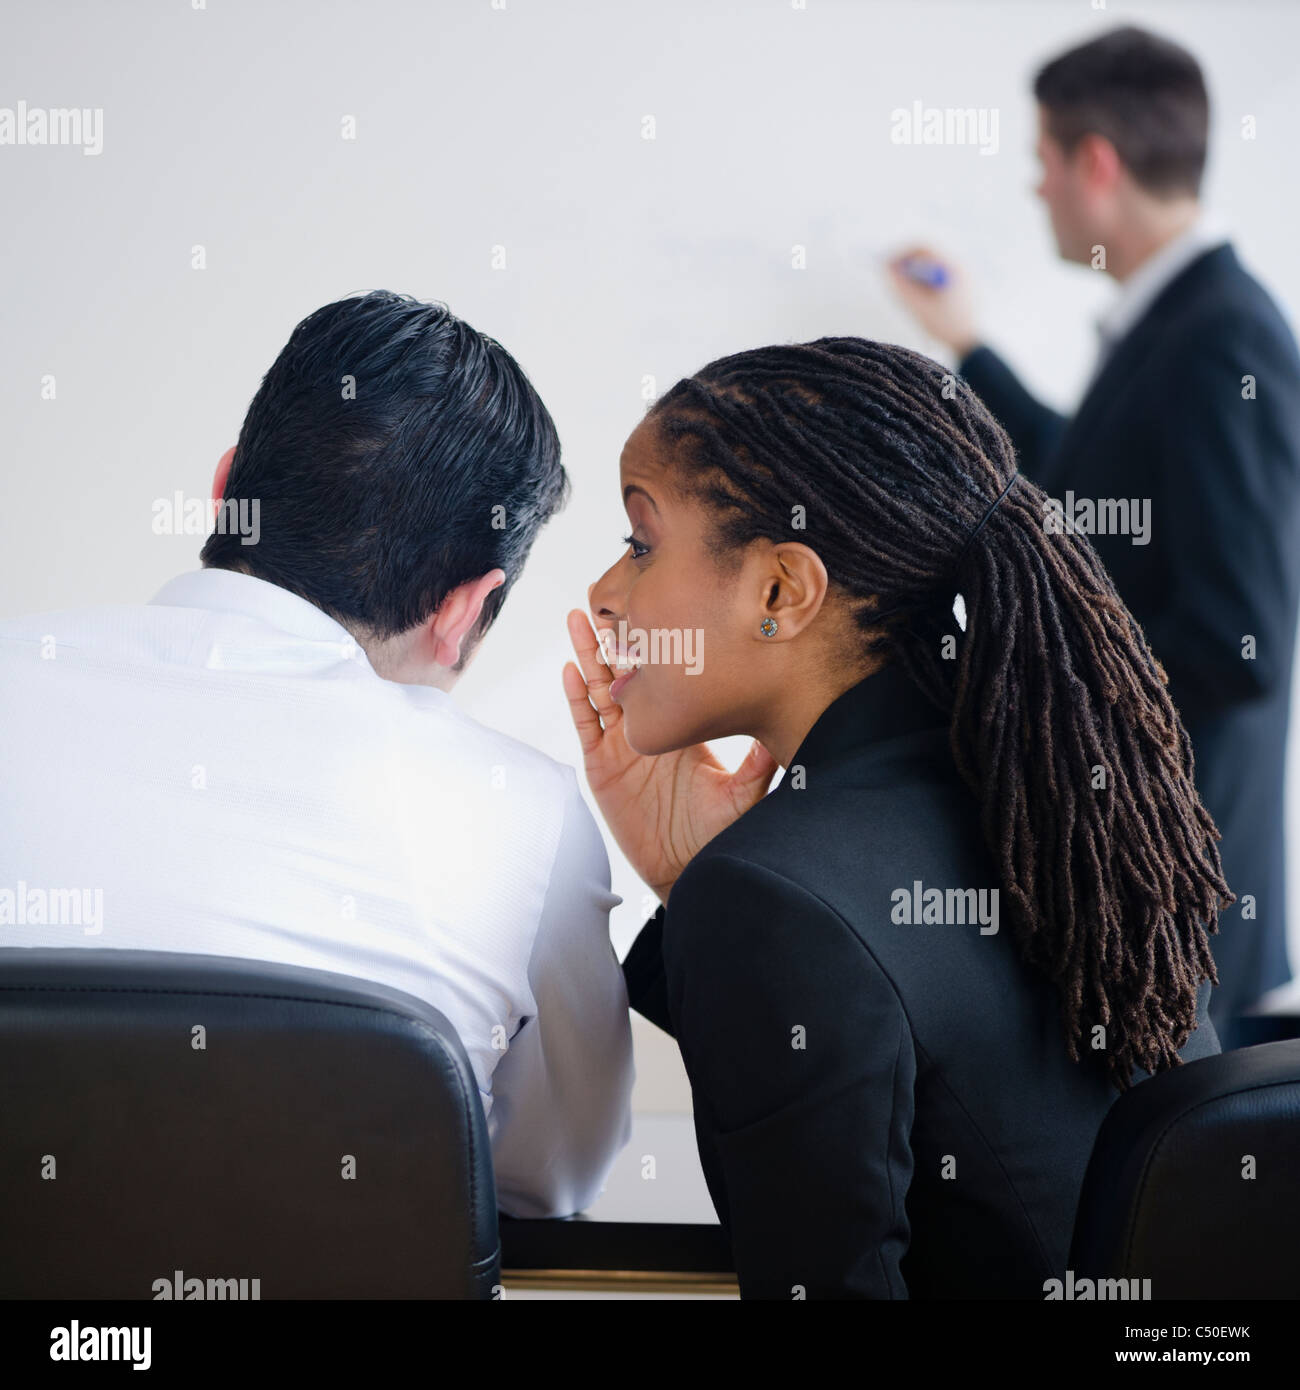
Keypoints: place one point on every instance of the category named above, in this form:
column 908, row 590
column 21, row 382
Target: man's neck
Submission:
column 1148, row 234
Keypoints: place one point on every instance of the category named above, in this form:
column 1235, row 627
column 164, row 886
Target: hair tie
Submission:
column 970, row 540
column 961, row 559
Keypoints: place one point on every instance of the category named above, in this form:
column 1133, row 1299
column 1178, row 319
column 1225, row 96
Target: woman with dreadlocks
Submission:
column 909, row 983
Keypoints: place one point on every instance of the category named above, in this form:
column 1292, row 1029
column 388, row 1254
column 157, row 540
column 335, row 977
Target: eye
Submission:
column 638, row 550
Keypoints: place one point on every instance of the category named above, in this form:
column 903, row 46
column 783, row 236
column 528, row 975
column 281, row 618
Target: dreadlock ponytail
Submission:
column 1061, row 724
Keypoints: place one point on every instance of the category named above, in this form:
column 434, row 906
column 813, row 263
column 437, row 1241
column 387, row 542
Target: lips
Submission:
column 619, row 683
column 622, row 666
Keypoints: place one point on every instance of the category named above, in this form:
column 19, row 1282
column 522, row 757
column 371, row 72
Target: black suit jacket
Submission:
column 1166, row 420
column 883, row 1110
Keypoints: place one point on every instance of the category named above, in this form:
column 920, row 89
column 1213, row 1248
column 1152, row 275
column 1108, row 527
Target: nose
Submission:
column 606, row 597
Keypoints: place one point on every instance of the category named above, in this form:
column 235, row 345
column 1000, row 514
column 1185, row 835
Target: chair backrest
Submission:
column 182, row 1125
column 1194, row 1181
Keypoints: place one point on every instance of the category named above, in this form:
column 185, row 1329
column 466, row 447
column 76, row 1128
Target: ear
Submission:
column 220, row 477
column 455, row 619
column 794, row 584
column 1098, row 161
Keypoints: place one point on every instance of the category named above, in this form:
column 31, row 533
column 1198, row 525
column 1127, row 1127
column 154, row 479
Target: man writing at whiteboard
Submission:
column 1191, row 423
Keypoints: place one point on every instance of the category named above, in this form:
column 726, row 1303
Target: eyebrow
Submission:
column 633, row 487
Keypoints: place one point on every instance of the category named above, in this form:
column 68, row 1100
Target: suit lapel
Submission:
column 1107, row 392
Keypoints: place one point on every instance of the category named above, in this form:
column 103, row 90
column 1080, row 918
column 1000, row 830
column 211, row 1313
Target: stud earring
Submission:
column 768, row 627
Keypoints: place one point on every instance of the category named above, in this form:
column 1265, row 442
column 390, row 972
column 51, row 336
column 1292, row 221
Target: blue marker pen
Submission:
column 925, row 271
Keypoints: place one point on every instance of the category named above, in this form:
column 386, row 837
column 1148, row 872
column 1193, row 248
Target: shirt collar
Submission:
column 227, row 591
column 1139, row 291
column 883, row 707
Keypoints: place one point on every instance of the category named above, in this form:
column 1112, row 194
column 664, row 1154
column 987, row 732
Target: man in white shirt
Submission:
column 265, row 760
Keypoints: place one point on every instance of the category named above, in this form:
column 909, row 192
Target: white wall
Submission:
column 522, row 127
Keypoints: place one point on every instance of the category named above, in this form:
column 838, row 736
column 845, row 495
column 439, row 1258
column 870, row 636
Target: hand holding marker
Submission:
column 925, row 271
column 935, row 291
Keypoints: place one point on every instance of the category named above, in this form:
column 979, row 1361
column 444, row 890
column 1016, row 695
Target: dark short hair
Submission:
column 395, row 453
column 1145, row 94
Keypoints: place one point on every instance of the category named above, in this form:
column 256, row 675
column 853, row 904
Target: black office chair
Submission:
column 1169, row 1195
column 195, row 1121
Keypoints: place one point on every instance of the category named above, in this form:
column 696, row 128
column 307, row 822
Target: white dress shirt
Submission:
column 1137, row 293
column 222, row 771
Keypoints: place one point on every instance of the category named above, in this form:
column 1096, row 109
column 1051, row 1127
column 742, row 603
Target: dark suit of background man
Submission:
column 1195, row 405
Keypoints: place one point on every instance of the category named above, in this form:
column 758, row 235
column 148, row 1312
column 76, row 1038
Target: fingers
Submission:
column 585, row 718
column 914, row 252
column 920, row 268
column 755, row 773
column 592, row 665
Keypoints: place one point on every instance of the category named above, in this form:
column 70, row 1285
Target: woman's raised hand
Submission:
column 662, row 809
